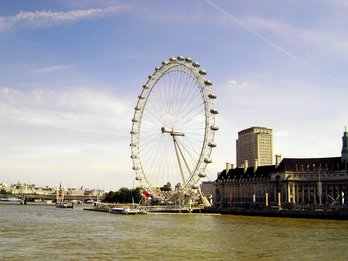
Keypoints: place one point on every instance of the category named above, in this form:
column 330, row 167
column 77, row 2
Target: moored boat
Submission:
column 65, row 205
column 127, row 211
column 11, row 201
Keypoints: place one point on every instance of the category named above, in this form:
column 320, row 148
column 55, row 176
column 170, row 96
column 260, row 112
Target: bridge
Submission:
column 33, row 197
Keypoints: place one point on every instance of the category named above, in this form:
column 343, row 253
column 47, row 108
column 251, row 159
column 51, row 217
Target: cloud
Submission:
column 50, row 69
column 72, row 135
column 238, row 84
column 233, row 82
column 79, row 109
column 50, row 18
column 298, row 111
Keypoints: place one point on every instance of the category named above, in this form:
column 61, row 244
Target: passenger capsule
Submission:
column 207, row 82
column 213, row 111
column 135, row 120
column 137, row 178
column 180, row 58
column 212, row 96
column 134, row 156
column 206, row 160
column 135, row 168
column 133, row 132
column 214, row 127
column 151, row 77
column 194, row 187
column 141, row 97
column 202, row 175
column 137, row 108
column 156, row 69
column 133, row 145
column 188, row 60
column 164, row 63
column 202, row 72
column 212, row 144
column 172, row 59
column 145, row 86
column 195, row 64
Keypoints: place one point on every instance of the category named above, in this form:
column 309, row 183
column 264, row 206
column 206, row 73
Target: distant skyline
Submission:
column 71, row 71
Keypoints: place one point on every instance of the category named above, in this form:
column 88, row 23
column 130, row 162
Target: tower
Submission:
column 255, row 145
column 345, row 146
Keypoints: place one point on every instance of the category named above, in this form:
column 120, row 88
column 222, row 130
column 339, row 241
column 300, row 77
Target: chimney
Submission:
column 232, row 166
column 278, row 159
column 228, row 167
column 256, row 164
column 245, row 165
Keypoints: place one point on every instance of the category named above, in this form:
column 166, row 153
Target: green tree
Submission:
column 3, row 191
column 123, row 195
column 136, row 194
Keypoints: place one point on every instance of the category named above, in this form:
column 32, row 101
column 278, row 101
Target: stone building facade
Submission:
column 295, row 182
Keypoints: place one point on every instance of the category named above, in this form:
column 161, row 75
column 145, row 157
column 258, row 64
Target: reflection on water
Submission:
column 44, row 232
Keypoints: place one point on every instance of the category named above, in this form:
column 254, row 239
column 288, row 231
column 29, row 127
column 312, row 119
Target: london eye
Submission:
column 173, row 130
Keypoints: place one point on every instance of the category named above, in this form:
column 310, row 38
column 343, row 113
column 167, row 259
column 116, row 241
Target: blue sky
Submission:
column 71, row 71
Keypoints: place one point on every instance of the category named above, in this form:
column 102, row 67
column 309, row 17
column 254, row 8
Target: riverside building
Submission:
column 291, row 182
column 254, row 146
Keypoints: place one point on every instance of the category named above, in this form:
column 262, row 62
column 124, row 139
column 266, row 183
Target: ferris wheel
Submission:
column 173, row 129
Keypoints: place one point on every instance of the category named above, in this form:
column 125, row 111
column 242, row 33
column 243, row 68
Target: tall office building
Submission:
column 255, row 144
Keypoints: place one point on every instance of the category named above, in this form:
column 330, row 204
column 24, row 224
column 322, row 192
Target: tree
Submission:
column 3, row 191
column 123, row 195
column 136, row 194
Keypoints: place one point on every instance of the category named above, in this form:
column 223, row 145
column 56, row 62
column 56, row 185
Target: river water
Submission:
column 47, row 233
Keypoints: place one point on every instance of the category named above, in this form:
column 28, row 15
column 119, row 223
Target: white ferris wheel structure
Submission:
column 173, row 130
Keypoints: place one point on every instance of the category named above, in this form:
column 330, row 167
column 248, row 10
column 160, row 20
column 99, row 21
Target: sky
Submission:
column 71, row 71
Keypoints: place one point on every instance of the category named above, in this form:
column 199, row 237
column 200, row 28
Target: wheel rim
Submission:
column 177, row 99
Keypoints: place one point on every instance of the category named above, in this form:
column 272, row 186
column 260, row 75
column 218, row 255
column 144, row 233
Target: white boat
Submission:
column 11, row 200
column 127, row 211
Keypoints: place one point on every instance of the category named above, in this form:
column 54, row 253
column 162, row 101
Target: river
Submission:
column 47, row 233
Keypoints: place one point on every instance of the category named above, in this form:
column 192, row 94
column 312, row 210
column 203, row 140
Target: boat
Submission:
column 60, row 199
column 65, row 205
column 11, row 201
column 127, row 211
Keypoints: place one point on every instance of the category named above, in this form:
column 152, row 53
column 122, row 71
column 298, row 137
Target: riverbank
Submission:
column 337, row 214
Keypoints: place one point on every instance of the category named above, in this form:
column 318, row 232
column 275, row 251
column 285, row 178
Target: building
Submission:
column 254, row 146
column 30, row 189
column 207, row 188
column 305, row 183
column 5, row 187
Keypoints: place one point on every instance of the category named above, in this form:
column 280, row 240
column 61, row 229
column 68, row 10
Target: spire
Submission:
column 345, row 146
